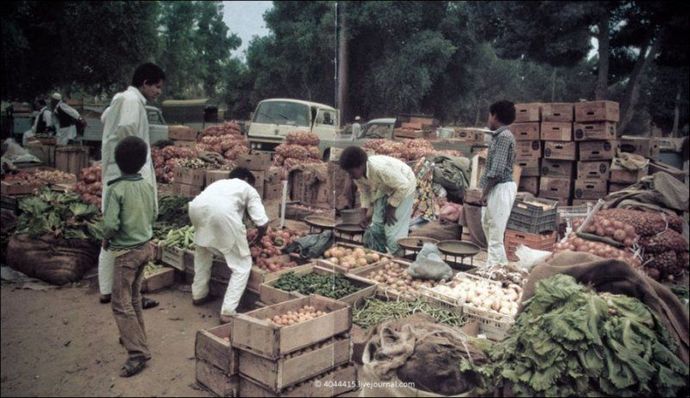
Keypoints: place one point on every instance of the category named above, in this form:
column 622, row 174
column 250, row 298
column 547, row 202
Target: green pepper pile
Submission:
column 332, row 286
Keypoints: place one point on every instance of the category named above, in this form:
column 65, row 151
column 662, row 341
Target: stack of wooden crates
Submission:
column 578, row 142
column 254, row 357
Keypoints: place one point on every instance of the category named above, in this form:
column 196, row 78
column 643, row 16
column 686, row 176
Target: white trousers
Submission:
column 241, row 268
column 65, row 134
column 495, row 216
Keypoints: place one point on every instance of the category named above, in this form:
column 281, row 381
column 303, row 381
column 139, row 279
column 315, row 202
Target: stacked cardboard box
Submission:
column 184, row 136
column 560, row 152
column 188, row 182
column 528, row 149
column 595, row 133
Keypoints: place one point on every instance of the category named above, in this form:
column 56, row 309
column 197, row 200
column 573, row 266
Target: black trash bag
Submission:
column 311, row 246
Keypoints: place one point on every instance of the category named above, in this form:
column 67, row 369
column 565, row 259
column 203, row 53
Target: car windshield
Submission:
column 279, row 112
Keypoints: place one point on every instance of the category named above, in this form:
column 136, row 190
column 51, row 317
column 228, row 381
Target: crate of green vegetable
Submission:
column 280, row 264
column 254, row 331
column 174, row 257
column 313, row 279
column 157, row 277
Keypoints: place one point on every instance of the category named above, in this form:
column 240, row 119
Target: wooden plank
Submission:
column 212, row 347
column 259, row 276
column 215, row 380
column 253, row 332
column 303, row 365
column 331, row 384
column 160, row 279
column 174, row 257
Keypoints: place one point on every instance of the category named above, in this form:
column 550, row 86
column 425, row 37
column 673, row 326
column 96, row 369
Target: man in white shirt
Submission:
column 43, row 122
column 387, row 188
column 217, row 214
column 126, row 116
column 65, row 119
column 356, row 128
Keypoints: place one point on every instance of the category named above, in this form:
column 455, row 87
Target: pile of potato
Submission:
column 395, row 279
column 306, row 313
column 351, row 258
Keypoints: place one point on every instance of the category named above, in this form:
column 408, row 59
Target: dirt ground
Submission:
column 63, row 342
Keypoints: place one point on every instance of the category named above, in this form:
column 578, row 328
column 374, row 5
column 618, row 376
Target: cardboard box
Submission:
column 185, row 175
column 594, row 131
column 272, row 176
column 529, row 184
column 555, row 187
column 273, row 192
column 528, row 150
column 557, row 112
column 182, row 133
column 525, row 131
column 259, row 179
column 556, row 131
column 597, row 111
column 593, row 170
column 216, row 175
column 530, row 167
column 252, row 332
column 643, row 146
column 559, row 150
column 469, row 136
column 188, row 191
column 622, row 175
column 597, row 150
column 527, row 112
column 255, row 161
column 557, row 168
column 590, row 189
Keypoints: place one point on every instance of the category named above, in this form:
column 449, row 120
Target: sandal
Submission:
column 147, row 303
column 132, row 367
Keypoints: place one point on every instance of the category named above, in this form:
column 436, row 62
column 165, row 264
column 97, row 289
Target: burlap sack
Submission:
column 473, row 221
column 56, row 261
column 617, row 277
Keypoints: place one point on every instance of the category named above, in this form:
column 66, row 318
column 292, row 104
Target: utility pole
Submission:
column 342, row 34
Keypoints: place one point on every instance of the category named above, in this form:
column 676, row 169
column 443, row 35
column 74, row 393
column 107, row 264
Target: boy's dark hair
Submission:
column 352, row 157
column 147, row 73
column 504, row 111
column 130, row 154
column 243, row 174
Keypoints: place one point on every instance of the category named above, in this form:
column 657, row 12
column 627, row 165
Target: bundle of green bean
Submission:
column 182, row 238
column 374, row 311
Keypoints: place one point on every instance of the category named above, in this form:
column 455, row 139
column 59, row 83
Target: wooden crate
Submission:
column 557, row 112
column 382, row 291
column 615, row 187
column 259, row 276
column 555, row 187
column 16, row 189
column 276, row 375
column 186, row 190
column 557, row 168
column 216, row 175
column 273, row 192
column 556, row 131
column 597, row 111
column 255, row 161
column 593, row 170
column 621, row 175
column 527, row 150
column 530, row 167
column 252, row 332
column 325, row 263
column 211, row 346
column 174, row 257
column 271, row 295
column 188, row 176
column 214, row 380
column 527, row 112
column 529, row 184
column 594, row 131
column 71, row 159
column 643, row 146
column 590, row 189
column 558, row 150
column 525, row 131
column 182, row 133
column 164, row 277
column 598, row 150
column 331, row 384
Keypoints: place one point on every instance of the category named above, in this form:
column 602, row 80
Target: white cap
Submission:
column 357, row 117
column 56, row 96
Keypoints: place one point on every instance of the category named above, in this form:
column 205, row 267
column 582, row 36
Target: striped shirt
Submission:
column 499, row 163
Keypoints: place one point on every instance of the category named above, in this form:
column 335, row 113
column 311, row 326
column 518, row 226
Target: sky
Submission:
column 245, row 19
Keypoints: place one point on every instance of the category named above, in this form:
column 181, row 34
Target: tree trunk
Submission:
column 632, row 89
column 601, row 90
column 343, row 65
column 676, row 115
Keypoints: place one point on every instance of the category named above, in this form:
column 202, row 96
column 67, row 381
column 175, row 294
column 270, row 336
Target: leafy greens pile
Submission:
column 172, row 214
column 63, row 215
column 571, row 341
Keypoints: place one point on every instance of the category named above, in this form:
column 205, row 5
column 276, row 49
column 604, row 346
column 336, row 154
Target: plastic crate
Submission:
column 542, row 241
column 493, row 325
column 534, row 219
column 440, row 300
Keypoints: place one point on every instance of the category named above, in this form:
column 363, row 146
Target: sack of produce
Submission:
column 433, row 358
column 311, row 246
column 429, row 264
column 56, row 261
